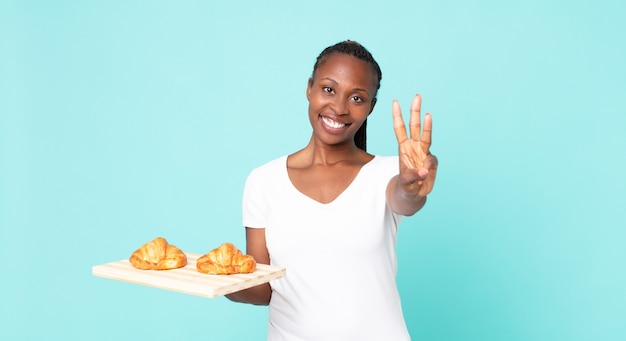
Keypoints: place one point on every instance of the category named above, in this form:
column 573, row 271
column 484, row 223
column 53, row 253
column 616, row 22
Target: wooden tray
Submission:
column 187, row 279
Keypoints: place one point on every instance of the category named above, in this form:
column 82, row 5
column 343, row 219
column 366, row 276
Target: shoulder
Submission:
column 269, row 168
column 382, row 168
column 385, row 162
column 385, row 158
column 273, row 164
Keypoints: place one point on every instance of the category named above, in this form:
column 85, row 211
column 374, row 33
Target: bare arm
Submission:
column 407, row 191
column 256, row 247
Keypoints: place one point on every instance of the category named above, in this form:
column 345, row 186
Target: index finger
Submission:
column 398, row 122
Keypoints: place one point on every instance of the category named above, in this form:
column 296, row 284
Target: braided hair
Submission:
column 354, row 49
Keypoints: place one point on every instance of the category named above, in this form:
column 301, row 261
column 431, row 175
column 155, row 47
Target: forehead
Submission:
column 339, row 66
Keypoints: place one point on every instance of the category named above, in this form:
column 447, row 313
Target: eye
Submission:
column 358, row 99
column 327, row 89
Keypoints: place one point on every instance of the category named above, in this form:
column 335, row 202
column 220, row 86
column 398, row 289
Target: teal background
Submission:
column 124, row 120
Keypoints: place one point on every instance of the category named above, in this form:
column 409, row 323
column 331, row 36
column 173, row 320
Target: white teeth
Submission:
column 332, row 123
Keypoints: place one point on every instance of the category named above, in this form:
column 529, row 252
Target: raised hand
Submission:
column 418, row 167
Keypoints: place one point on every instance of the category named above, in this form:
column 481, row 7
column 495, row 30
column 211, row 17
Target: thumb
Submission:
column 422, row 172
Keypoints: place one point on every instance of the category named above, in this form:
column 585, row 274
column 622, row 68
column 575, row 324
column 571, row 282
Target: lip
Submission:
column 332, row 125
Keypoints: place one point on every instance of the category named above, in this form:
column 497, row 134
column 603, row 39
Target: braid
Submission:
column 356, row 50
column 360, row 138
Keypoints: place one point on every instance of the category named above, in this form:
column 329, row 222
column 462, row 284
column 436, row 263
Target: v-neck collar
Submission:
column 339, row 196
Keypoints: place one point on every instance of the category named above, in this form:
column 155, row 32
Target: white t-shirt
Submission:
column 340, row 258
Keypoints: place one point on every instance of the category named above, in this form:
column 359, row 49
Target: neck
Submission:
column 316, row 153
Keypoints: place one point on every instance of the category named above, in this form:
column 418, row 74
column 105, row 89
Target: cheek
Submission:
column 317, row 99
column 362, row 111
column 313, row 111
column 318, row 103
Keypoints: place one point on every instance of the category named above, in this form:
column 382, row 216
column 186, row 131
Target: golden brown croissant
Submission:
column 158, row 255
column 225, row 260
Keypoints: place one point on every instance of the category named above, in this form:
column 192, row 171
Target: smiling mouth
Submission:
column 333, row 124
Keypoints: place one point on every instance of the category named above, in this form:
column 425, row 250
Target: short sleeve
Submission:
column 254, row 207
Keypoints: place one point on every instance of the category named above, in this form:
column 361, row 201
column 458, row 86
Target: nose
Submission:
column 340, row 107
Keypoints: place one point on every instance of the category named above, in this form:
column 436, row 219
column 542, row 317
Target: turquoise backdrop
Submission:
column 124, row 120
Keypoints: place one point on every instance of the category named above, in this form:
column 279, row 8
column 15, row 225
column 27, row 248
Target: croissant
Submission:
column 225, row 260
column 158, row 255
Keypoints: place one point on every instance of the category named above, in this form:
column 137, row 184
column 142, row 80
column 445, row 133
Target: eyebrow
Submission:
column 356, row 89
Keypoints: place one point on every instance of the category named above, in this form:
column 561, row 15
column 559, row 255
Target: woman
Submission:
column 329, row 212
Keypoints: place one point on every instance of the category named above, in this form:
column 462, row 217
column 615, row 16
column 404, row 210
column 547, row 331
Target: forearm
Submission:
column 402, row 201
column 257, row 295
column 255, row 247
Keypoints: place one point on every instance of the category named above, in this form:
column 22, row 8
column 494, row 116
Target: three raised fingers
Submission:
column 415, row 128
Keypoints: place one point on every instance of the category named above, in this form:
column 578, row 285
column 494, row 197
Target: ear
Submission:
column 308, row 88
column 372, row 107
